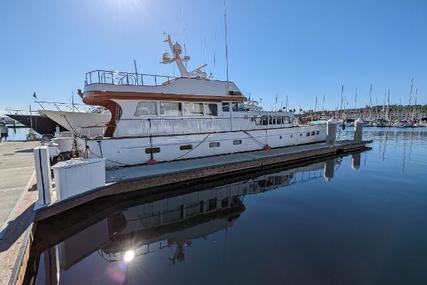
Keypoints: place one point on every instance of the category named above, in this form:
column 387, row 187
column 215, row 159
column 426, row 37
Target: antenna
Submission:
column 225, row 37
column 136, row 71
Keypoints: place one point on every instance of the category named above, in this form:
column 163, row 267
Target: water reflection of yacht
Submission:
column 172, row 222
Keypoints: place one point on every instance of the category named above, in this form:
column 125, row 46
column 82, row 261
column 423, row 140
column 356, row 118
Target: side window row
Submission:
column 189, row 146
column 272, row 120
column 313, row 133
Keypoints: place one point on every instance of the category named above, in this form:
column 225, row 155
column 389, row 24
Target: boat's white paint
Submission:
column 132, row 151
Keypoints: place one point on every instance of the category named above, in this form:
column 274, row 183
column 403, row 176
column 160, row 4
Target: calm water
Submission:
column 364, row 225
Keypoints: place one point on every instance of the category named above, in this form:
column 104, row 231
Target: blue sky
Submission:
column 301, row 49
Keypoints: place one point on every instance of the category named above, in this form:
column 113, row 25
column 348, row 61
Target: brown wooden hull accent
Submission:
column 113, row 107
column 161, row 96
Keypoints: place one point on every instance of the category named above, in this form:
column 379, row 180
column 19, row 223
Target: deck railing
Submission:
column 125, row 78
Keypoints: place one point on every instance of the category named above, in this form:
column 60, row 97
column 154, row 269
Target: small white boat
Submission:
column 80, row 123
column 403, row 124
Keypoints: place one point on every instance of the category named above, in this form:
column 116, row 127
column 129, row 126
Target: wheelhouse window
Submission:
column 146, row 108
column 195, row 109
column 226, row 107
column 170, row 108
column 212, row 109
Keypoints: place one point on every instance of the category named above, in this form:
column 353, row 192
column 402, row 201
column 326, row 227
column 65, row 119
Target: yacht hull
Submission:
column 140, row 150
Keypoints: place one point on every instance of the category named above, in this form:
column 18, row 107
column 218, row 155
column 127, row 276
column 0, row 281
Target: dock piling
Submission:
column 358, row 130
column 331, row 131
column 44, row 182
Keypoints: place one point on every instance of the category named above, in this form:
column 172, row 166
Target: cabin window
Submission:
column 226, row 107
column 308, row 134
column 212, row 109
column 317, row 132
column 195, row 109
column 214, row 144
column 170, row 108
column 186, row 147
column 279, row 120
column 313, row 133
column 152, row 150
column 270, row 120
column 202, row 206
column 264, row 120
column 236, row 142
column 235, row 106
column 146, row 108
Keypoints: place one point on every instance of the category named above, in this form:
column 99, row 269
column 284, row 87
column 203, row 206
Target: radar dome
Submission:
column 166, row 57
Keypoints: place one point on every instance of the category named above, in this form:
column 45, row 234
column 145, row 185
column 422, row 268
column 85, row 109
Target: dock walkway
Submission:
column 17, row 176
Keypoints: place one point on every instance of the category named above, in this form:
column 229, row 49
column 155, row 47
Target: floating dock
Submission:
column 149, row 177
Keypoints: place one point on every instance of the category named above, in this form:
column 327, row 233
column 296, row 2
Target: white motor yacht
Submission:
column 162, row 118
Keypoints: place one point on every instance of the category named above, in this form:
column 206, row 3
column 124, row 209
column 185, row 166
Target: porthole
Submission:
column 214, row 144
column 236, row 142
column 152, row 150
column 186, row 147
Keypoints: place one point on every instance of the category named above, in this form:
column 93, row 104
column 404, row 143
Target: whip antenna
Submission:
column 225, row 37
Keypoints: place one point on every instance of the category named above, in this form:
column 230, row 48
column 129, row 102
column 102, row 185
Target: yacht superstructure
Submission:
column 161, row 118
